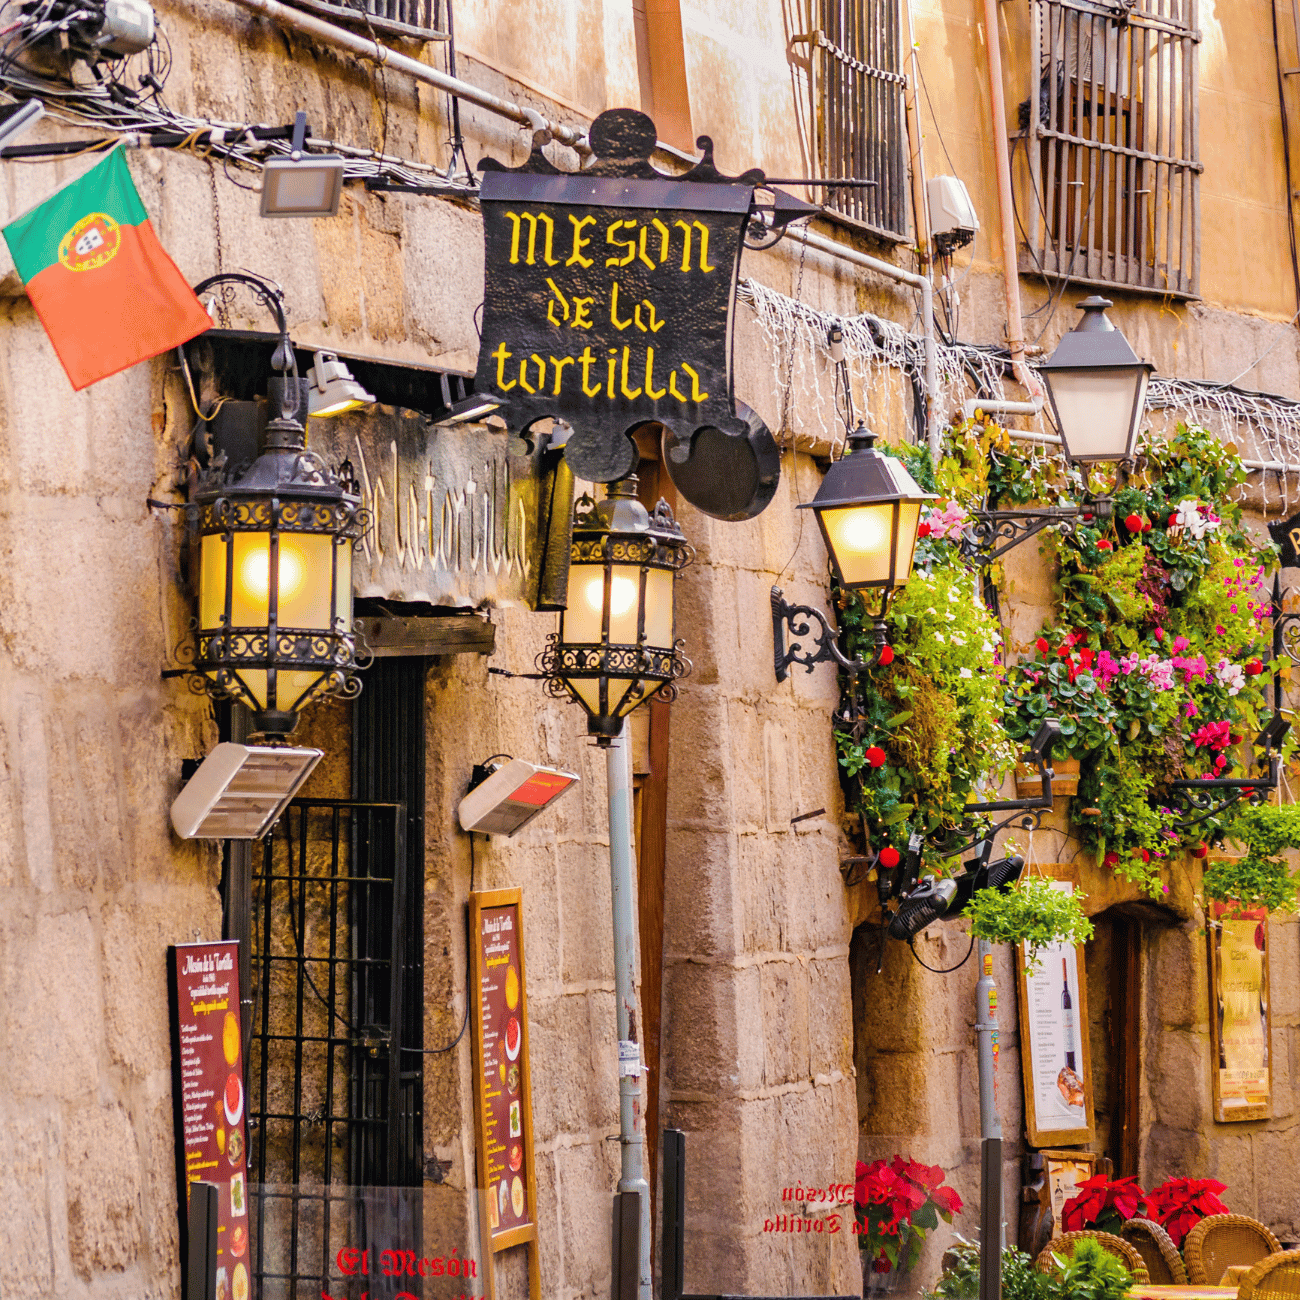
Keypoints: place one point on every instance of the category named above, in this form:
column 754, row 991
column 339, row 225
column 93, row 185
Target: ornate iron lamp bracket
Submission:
column 1025, row 813
column 993, row 533
column 1210, row 796
column 799, row 619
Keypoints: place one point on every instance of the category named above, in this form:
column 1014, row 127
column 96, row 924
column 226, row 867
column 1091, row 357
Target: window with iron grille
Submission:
column 1111, row 134
column 855, row 54
column 418, row 20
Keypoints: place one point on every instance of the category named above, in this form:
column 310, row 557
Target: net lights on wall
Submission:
column 615, row 648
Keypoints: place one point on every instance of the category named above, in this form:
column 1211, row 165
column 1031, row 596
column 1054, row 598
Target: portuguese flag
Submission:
column 103, row 286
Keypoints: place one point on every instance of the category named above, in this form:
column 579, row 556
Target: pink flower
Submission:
column 1213, row 735
column 1180, row 644
column 1190, row 711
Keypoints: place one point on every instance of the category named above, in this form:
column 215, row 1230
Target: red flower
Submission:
column 1110, row 860
column 876, row 756
column 889, row 857
column 1134, row 523
column 1086, row 657
column 1104, row 545
column 1064, row 651
column 923, row 530
column 1043, row 647
column 1201, row 850
column 1144, row 854
column 1254, row 668
column 1179, row 1204
column 1102, row 1203
column 886, row 655
column 1173, row 519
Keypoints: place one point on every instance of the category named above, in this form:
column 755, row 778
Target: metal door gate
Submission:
column 331, row 1111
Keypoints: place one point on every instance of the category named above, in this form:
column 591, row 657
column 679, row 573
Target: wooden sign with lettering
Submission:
column 1240, row 1020
column 608, row 300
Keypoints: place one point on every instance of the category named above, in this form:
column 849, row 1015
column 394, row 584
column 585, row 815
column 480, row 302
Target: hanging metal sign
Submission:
column 1286, row 534
column 608, row 303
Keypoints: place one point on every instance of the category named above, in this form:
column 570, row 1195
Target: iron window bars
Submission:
column 1111, row 129
column 414, row 20
column 856, row 89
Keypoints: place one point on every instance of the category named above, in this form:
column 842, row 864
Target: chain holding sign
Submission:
column 608, row 302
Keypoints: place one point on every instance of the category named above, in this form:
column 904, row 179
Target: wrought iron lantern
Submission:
column 869, row 509
column 274, row 560
column 1098, row 388
column 615, row 648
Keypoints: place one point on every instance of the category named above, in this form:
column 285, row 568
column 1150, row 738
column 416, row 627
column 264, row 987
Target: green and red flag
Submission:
column 103, row 286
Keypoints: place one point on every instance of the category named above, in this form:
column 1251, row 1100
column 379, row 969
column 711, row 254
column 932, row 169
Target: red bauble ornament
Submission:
column 886, row 656
column 889, row 856
column 1144, row 854
column 876, row 756
column 1254, row 668
column 1134, row 523
column 1110, row 860
column 1201, row 850
column 1104, row 545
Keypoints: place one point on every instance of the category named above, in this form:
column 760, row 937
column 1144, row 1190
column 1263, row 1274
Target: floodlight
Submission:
column 511, row 794
column 1274, row 732
column 15, row 119
column 240, row 790
column 1048, row 731
column 333, row 389
column 477, row 406
column 303, row 184
column 926, row 903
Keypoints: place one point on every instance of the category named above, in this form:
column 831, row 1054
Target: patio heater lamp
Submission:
column 868, row 508
column 274, row 549
column 615, row 648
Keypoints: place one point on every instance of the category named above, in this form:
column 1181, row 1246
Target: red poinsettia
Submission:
column 1102, row 1204
column 895, row 1205
column 1181, row 1203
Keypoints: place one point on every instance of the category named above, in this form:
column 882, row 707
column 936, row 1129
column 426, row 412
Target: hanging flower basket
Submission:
column 1065, row 778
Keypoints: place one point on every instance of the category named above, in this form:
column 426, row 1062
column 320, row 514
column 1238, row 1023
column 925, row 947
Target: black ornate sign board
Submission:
column 608, row 301
column 1286, row 533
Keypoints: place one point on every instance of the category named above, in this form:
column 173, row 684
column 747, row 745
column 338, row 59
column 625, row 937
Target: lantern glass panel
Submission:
column 587, row 689
column 583, row 618
column 290, row 686
column 212, row 581
column 1096, row 409
column 859, row 538
column 305, row 580
column 659, row 608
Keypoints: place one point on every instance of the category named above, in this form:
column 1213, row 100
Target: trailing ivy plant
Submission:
column 1031, row 912
column 1263, row 878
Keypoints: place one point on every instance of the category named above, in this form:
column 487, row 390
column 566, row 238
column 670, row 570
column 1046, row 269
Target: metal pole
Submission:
column 991, row 1225
column 618, row 772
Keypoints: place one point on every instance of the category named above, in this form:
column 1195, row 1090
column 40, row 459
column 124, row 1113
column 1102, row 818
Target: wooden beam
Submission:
column 449, row 634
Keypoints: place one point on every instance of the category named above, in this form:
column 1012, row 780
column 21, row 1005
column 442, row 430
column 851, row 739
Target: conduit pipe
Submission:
column 365, row 48
column 1002, row 167
column 847, row 254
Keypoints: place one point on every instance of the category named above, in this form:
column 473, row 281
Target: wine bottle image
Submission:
column 1067, row 1004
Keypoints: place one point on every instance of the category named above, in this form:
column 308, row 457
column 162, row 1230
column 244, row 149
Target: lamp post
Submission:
column 615, row 649
column 274, row 549
column 868, row 508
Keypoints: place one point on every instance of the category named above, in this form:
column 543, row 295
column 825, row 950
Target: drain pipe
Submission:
column 851, row 255
column 365, row 48
column 1010, row 271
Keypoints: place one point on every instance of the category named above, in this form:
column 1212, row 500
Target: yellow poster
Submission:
column 1239, row 962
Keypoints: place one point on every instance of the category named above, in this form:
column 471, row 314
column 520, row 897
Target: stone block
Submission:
column 561, row 1042
column 1178, row 976
column 1232, row 1160
column 101, row 1160
column 52, row 1025
column 761, row 893
column 26, row 1264
column 584, row 1188
column 1181, row 1055
column 1169, row 1152
column 702, row 1046
column 830, row 1017
column 586, row 928
column 135, row 984
column 1284, row 973
column 700, row 750
column 784, row 1020
column 1278, row 1191
column 699, row 899
column 32, row 760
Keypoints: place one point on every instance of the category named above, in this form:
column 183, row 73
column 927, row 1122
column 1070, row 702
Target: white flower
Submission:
column 988, row 648
column 1230, row 675
column 952, row 618
column 965, row 672
column 1195, row 518
column 940, row 639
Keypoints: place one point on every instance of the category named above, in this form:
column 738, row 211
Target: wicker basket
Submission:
column 1065, row 778
column 1222, row 1240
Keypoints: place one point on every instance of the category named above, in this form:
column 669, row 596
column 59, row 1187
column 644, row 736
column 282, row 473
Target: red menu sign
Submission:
column 502, row 1083
column 208, row 1074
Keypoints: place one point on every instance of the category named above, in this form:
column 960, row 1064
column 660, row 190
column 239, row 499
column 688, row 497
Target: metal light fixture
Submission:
column 868, row 508
column 504, row 796
column 333, row 390
column 303, row 184
column 615, row 647
column 1098, row 388
column 274, row 551
column 239, row 791
column 477, row 406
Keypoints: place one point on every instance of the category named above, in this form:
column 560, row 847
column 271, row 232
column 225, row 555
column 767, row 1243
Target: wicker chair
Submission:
column 1113, row 1245
column 1276, row 1277
column 1222, row 1240
column 1154, row 1244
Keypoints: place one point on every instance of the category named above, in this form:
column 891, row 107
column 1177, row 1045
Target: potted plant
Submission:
column 895, row 1204
column 1104, row 1204
column 1262, row 878
column 1031, row 912
column 1181, row 1203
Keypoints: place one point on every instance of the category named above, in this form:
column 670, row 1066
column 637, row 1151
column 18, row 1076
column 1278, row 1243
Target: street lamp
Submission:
column 1098, row 388
column 274, row 547
column 868, row 508
column 615, row 647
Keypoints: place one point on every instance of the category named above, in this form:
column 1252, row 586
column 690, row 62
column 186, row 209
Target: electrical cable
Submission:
column 1286, row 155
column 440, row 1051
column 937, row 970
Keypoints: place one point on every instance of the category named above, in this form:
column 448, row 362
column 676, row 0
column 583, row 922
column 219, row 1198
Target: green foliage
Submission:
column 960, row 1279
column 1091, row 1273
column 1031, row 912
column 1262, row 878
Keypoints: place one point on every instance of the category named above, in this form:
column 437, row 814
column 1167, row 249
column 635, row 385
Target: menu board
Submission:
column 502, row 1081
column 1054, row 1037
column 208, row 1094
column 1240, row 1012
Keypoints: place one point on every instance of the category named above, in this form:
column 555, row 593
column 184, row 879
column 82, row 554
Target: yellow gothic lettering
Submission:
column 557, row 365
column 501, row 356
column 532, row 218
column 582, row 313
column 550, row 306
column 586, row 361
column 630, row 393
column 612, row 369
column 580, row 241
column 704, row 245
column 654, row 325
column 613, row 310
column 653, row 393
column 628, row 244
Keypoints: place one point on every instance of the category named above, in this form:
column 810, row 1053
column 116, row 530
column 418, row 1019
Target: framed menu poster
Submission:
column 503, row 1105
column 1055, row 1060
column 1240, row 1022
column 208, row 1096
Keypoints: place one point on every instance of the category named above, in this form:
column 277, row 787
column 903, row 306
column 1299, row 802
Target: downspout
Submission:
column 1010, row 271
column 920, row 202
column 921, row 282
column 365, row 48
